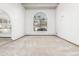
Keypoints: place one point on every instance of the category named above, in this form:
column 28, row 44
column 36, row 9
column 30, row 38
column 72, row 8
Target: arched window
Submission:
column 40, row 22
column 5, row 24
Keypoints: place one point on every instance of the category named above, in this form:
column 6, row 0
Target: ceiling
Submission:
column 39, row 5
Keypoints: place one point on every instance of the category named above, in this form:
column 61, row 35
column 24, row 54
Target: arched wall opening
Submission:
column 40, row 21
column 5, row 24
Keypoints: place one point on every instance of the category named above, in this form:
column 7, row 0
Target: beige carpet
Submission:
column 39, row 46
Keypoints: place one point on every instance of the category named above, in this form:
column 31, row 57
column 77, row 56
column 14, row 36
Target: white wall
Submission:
column 68, row 22
column 16, row 13
column 50, row 21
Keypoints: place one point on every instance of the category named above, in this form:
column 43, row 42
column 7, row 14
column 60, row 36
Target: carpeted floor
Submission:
column 39, row 46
